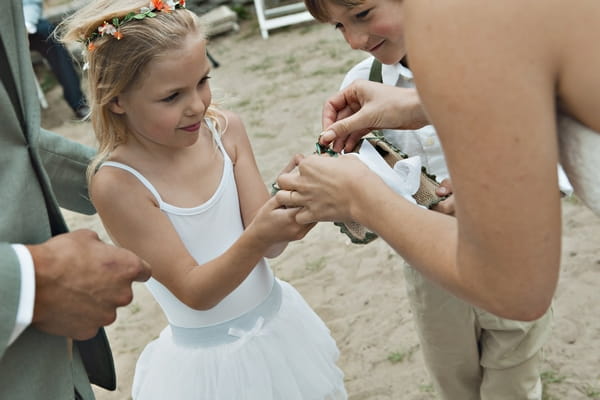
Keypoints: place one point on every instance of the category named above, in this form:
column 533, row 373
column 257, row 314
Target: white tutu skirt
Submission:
column 281, row 350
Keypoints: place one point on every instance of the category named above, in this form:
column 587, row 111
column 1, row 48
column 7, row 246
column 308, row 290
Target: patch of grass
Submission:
column 264, row 135
column 428, row 388
column 241, row 11
column 551, row 377
column 135, row 308
column 266, row 65
column 316, row 265
column 396, row 357
column 590, row 391
column 243, row 103
column 548, row 378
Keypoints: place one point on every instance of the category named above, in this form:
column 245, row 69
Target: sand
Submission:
column 278, row 86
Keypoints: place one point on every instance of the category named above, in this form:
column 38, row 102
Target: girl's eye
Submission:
column 170, row 98
column 204, row 80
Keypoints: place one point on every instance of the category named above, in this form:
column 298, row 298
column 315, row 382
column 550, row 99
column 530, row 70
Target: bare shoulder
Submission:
column 234, row 126
column 552, row 43
column 234, row 137
column 113, row 186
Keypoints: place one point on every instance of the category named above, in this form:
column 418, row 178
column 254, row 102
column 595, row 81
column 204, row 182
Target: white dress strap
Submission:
column 138, row 175
column 216, row 137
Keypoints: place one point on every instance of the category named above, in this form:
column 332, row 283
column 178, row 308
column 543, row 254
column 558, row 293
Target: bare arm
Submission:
column 492, row 101
column 487, row 81
column 251, row 188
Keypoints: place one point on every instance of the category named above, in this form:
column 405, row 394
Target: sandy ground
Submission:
column 278, row 86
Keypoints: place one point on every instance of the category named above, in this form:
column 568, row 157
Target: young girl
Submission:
column 176, row 182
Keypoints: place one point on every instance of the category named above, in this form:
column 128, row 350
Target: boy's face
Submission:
column 374, row 26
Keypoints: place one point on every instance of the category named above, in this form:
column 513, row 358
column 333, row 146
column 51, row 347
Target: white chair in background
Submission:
column 276, row 17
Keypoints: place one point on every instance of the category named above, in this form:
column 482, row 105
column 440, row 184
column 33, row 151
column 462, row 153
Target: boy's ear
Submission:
column 115, row 107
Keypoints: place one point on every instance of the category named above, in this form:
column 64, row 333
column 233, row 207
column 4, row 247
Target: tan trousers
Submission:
column 471, row 354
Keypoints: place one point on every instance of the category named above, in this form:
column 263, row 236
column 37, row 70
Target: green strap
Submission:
column 375, row 72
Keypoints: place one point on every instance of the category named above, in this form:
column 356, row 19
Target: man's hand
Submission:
column 80, row 281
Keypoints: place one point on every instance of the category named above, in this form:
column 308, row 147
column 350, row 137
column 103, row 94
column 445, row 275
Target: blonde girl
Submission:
column 176, row 182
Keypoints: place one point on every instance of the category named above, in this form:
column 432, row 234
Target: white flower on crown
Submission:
column 107, row 29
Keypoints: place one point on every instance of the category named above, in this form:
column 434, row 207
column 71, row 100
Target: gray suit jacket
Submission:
column 39, row 171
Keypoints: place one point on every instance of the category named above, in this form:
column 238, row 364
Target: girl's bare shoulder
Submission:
column 112, row 185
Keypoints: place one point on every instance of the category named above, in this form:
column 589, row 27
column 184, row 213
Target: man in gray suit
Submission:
column 57, row 289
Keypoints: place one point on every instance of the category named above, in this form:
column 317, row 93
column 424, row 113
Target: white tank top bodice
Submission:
column 580, row 158
column 207, row 230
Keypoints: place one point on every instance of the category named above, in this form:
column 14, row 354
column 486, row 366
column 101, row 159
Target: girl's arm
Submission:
column 251, row 188
column 134, row 221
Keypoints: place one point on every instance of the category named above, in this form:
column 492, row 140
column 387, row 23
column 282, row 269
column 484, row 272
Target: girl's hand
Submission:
column 447, row 205
column 364, row 106
column 274, row 224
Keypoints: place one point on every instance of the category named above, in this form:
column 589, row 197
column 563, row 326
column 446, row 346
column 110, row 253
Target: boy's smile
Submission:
column 374, row 26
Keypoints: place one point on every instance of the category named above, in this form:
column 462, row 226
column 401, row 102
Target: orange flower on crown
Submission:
column 113, row 28
column 159, row 5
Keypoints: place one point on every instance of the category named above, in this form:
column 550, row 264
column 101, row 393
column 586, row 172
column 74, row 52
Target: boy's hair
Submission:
column 318, row 8
column 114, row 66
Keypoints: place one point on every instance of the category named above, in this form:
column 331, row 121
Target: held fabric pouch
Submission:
column 402, row 173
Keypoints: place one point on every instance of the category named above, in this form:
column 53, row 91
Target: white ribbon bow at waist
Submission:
column 246, row 335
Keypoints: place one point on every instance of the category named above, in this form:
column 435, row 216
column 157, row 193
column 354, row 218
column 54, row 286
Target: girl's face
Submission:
column 375, row 26
column 167, row 106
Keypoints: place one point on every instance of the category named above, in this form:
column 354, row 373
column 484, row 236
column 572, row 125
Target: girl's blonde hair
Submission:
column 318, row 8
column 114, row 66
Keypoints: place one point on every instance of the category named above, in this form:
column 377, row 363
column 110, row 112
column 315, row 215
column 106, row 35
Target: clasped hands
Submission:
column 332, row 189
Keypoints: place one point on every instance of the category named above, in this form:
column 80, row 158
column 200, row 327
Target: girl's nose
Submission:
column 196, row 105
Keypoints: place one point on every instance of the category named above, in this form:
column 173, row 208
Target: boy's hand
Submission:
column 445, row 206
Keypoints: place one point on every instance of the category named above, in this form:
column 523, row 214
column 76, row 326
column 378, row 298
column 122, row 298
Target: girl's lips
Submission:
column 191, row 128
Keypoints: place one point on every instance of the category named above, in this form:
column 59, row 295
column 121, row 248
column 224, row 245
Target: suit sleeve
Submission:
column 66, row 162
column 10, row 287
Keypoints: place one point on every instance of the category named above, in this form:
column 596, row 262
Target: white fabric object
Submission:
column 404, row 178
column 27, row 293
column 289, row 357
column 580, row 158
column 32, row 12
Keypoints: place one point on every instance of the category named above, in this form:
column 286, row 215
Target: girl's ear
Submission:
column 115, row 107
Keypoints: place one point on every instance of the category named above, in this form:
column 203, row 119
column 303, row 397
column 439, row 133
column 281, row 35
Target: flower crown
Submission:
column 112, row 28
